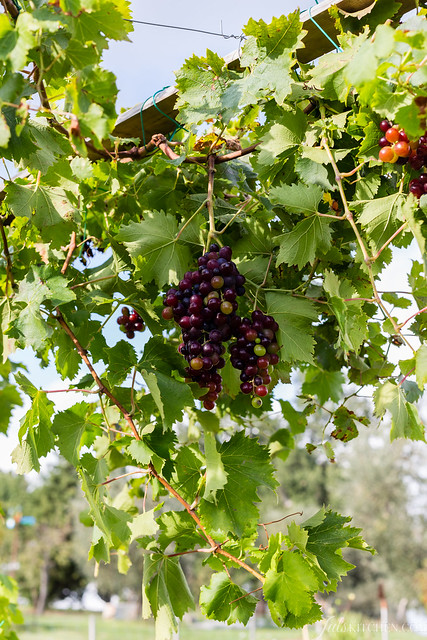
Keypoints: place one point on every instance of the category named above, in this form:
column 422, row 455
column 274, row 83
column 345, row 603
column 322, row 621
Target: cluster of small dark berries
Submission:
column 254, row 353
column 130, row 322
column 396, row 147
column 204, row 306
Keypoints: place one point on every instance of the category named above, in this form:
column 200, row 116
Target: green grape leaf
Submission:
column 326, row 539
column 295, row 317
column 121, row 359
column 247, row 465
column 35, row 426
column 9, row 398
column 326, row 385
column 69, row 427
column 421, row 366
column 169, row 395
column 216, row 476
column 153, row 246
column 297, row 419
column 144, row 524
column 178, row 527
column 224, row 600
column 304, row 243
column 297, row 198
column 165, row 593
column 405, row 421
column 381, row 218
column 188, row 472
column 289, row 587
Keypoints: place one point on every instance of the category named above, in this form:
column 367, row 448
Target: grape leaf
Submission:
column 216, row 476
column 121, row 359
column 304, row 243
column 153, row 246
column 326, row 385
column 421, row 366
column 224, row 600
column 169, row 395
column 381, row 218
column 69, row 427
column 294, row 316
column 405, row 421
column 178, row 527
column 165, row 593
column 247, row 465
column 326, row 539
column 35, row 426
column 9, row 398
column 297, row 198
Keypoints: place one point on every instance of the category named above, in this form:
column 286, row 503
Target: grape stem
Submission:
column 71, row 248
column 209, row 200
column 263, row 282
column 102, row 388
column 367, row 258
column 9, row 274
column 413, row 316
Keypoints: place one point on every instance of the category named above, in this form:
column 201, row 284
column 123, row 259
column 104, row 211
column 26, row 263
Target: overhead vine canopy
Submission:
column 278, row 161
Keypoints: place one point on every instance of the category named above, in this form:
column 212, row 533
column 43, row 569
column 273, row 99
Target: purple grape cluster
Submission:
column 130, row 322
column 205, row 307
column 255, row 352
column 418, row 186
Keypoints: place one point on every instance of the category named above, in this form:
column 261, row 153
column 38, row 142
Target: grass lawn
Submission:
column 74, row 626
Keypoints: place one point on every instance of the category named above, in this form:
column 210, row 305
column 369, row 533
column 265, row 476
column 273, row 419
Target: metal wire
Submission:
column 172, row 26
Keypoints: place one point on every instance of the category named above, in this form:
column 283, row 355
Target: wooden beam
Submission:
column 316, row 44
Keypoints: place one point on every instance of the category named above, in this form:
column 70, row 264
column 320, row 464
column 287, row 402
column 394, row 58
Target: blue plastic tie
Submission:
column 337, row 47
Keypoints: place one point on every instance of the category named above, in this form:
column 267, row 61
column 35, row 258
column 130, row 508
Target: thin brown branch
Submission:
column 216, row 548
column 297, row 513
column 124, row 475
column 162, row 143
column 101, row 385
column 6, row 253
column 86, row 284
column 366, row 257
column 184, row 553
column 71, row 249
column 348, row 174
column 185, row 504
column 210, row 205
column 423, row 310
column 236, row 154
column 242, row 564
column 94, row 391
column 246, row 595
column 410, row 372
column 385, row 245
column 10, row 8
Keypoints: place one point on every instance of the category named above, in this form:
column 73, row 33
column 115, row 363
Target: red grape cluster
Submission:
column 204, row 306
column 130, row 322
column 254, row 353
column 396, row 147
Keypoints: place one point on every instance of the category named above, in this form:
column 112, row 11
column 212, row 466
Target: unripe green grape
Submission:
column 256, row 402
column 259, row 350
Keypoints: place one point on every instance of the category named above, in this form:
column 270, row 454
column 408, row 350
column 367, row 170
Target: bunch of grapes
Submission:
column 205, row 307
column 255, row 353
column 396, row 147
column 130, row 322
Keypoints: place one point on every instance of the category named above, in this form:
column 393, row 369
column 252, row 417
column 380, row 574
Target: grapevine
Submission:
column 307, row 180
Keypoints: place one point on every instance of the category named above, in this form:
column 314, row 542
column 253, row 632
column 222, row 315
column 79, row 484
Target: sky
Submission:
column 143, row 66
column 147, row 63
